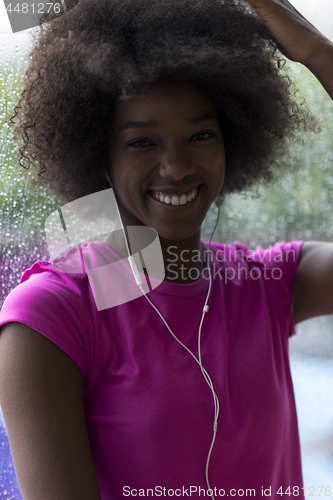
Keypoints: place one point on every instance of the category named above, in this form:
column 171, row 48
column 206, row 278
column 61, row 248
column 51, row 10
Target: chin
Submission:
column 177, row 235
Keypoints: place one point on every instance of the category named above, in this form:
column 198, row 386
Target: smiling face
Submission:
column 167, row 158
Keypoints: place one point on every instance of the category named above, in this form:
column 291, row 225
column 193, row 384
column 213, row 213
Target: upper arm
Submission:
column 313, row 294
column 42, row 398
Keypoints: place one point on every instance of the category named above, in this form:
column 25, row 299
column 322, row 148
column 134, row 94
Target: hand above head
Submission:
column 297, row 38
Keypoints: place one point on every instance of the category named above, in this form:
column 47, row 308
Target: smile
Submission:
column 175, row 199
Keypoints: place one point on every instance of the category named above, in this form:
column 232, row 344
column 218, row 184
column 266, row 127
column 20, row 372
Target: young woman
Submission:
column 176, row 103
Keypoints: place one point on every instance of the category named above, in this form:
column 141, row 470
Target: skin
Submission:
column 42, row 398
column 167, row 138
column 297, row 38
column 41, row 389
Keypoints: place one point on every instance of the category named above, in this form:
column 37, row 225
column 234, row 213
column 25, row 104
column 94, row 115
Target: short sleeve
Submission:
column 53, row 304
column 280, row 263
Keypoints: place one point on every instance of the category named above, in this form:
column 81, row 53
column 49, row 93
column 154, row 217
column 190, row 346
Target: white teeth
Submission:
column 176, row 199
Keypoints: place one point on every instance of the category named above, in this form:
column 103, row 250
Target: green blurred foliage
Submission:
column 299, row 204
column 23, row 207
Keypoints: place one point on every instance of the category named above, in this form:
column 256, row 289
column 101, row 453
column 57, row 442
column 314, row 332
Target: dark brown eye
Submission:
column 139, row 143
column 203, row 136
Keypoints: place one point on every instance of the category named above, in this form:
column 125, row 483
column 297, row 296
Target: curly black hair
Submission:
column 82, row 63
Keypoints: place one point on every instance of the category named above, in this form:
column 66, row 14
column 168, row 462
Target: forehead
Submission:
column 165, row 98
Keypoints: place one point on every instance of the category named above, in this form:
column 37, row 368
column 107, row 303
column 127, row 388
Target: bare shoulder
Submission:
column 42, row 398
column 314, row 281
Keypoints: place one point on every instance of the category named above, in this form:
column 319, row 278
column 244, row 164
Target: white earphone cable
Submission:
column 198, row 359
column 205, row 310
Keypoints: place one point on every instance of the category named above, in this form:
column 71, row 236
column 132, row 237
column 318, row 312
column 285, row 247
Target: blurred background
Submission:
column 298, row 206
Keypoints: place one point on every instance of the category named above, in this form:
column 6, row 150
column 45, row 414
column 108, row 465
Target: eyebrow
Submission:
column 202, row 118
column 151, row 124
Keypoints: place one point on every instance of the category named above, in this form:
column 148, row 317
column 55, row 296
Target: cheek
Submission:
column 118, row 168
column 126, row 183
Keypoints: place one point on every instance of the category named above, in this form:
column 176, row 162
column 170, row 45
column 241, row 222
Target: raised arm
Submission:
column 298, row 39
column 41, row 394
column 301, row 42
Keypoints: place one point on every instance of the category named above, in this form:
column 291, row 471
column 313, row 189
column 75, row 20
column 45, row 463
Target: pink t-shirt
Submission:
column 149, row 411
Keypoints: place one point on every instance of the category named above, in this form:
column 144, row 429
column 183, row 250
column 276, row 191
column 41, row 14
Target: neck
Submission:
column 184, row 260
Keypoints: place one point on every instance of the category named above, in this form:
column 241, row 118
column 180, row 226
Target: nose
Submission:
column 176, row 164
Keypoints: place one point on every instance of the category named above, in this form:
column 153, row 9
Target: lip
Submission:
column 170, row 192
